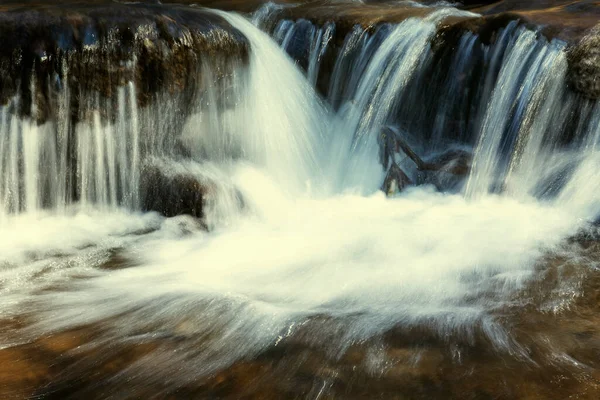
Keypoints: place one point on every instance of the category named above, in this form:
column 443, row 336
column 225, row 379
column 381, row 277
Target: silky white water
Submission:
column 315, row 238
column 375, row 263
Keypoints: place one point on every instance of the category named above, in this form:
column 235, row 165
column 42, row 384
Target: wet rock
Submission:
column 98, row 46
column 413, row 364
column 395, row 180
column 171, row 195
column 584, row 64
column 455, row 162
column 446, row 171
column 475, row 3
column 563, row 19
column 451, row 162
column 348, row 14
column 451, row 29
column 63, row 342
column 117, row 260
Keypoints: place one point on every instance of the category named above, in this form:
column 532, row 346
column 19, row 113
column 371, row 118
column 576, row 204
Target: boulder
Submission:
column 171, row 195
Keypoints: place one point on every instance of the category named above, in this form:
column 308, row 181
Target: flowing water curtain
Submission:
column 514, row 110
column 98, row 161
column 51, row 164
column 108, row 153
column 380, row 90
column 367, row 84
column 352, row 60
column 9, row 143
column 581, row 191
column 522, row 149
column 93, row 153
column 282, row 123
column 457, row 87
column 509, row 86
column 33, row 158
column 305, row 43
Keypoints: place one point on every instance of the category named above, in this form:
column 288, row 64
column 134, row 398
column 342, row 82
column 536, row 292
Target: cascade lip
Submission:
column 38, row 30
column 99, row 45
column 574, row 23
column 563, row 18
column 90, row 21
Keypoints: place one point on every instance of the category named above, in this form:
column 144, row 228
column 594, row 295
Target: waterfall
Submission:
column 522, row 73
column 510, row 103
column 296, row 35
column 296, row 243
column 289, row 145
column 97, row 159
column 42, row 165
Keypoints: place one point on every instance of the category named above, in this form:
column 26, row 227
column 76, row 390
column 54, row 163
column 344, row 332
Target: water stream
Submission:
column 314, row 239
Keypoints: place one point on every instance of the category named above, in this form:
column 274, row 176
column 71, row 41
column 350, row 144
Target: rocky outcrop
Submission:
column 565, row 19
column 451, row 29
column 97, row 47
column 562, row 19
column 174, row 188
column 584, row 64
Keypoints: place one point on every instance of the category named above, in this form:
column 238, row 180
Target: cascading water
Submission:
column 301, row 240
column 513, row 116
column 38, row 162
column 292, row 35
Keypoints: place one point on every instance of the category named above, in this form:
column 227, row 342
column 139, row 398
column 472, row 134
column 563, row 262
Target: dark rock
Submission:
column 455, row 162
column 446, row 171
column 96, row 47
column 171, row 195
column 584, row 64
column 564, row 19
column 435, row 171
column 476, row 3
column 395, row 181
column 451, row 29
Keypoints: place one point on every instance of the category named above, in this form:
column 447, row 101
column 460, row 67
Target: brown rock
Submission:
column 171, row 195
column 21, row 372
column 97, row 46
column 584, row 64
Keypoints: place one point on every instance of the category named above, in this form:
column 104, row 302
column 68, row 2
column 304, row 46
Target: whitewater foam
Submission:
column 314, row 238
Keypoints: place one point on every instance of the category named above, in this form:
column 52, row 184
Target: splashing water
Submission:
column 316, row 239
